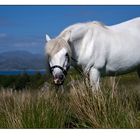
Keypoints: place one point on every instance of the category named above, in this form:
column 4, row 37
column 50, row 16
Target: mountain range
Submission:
column 21, row 60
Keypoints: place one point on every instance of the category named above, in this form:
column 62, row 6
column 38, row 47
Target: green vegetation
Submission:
column 19, row 82
column 26, row 102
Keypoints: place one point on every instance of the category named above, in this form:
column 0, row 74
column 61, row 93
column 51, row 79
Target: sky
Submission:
column 24, row 27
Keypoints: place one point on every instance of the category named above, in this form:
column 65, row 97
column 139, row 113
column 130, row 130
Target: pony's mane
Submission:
column 55, row 45
column 79, row 25
column 98, row 23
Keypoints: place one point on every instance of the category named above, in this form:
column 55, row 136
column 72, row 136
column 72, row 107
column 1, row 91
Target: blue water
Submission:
column 19, row 72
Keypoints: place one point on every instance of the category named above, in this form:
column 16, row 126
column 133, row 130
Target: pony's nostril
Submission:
column 56, row 76
column 61, row 77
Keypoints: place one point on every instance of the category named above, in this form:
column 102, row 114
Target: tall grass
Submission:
column 75, row 106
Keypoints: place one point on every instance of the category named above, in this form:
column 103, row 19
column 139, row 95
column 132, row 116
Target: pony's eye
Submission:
column 66, row 54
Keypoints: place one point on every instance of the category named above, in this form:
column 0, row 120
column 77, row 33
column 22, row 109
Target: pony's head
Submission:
column 58, row 55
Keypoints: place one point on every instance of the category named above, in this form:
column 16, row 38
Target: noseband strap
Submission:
column 57, row 66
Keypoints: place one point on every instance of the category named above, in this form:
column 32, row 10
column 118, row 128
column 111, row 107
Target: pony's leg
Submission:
column 94, row 76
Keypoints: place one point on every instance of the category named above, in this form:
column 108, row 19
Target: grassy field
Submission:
column 115, row 105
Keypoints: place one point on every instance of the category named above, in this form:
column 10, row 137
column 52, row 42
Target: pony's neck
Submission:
column 77, row 34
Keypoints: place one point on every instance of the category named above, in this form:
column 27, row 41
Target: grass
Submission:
column 115, row 105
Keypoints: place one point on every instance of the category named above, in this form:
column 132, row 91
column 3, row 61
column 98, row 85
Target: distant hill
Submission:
column 21, row 60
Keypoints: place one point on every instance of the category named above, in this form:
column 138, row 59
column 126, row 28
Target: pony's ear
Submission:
column 47, row 38
column 67, row 36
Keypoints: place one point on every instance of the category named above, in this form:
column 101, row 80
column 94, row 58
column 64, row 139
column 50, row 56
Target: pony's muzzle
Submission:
column 59, row 79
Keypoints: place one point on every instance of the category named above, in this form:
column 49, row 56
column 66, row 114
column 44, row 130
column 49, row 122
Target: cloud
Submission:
column 3, row 35
column 29, row 43
column 26, row 44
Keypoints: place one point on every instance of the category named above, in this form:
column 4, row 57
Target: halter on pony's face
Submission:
column 58, row 59
column 59, row 65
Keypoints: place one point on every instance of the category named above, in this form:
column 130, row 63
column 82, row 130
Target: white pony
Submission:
column 100, row 50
